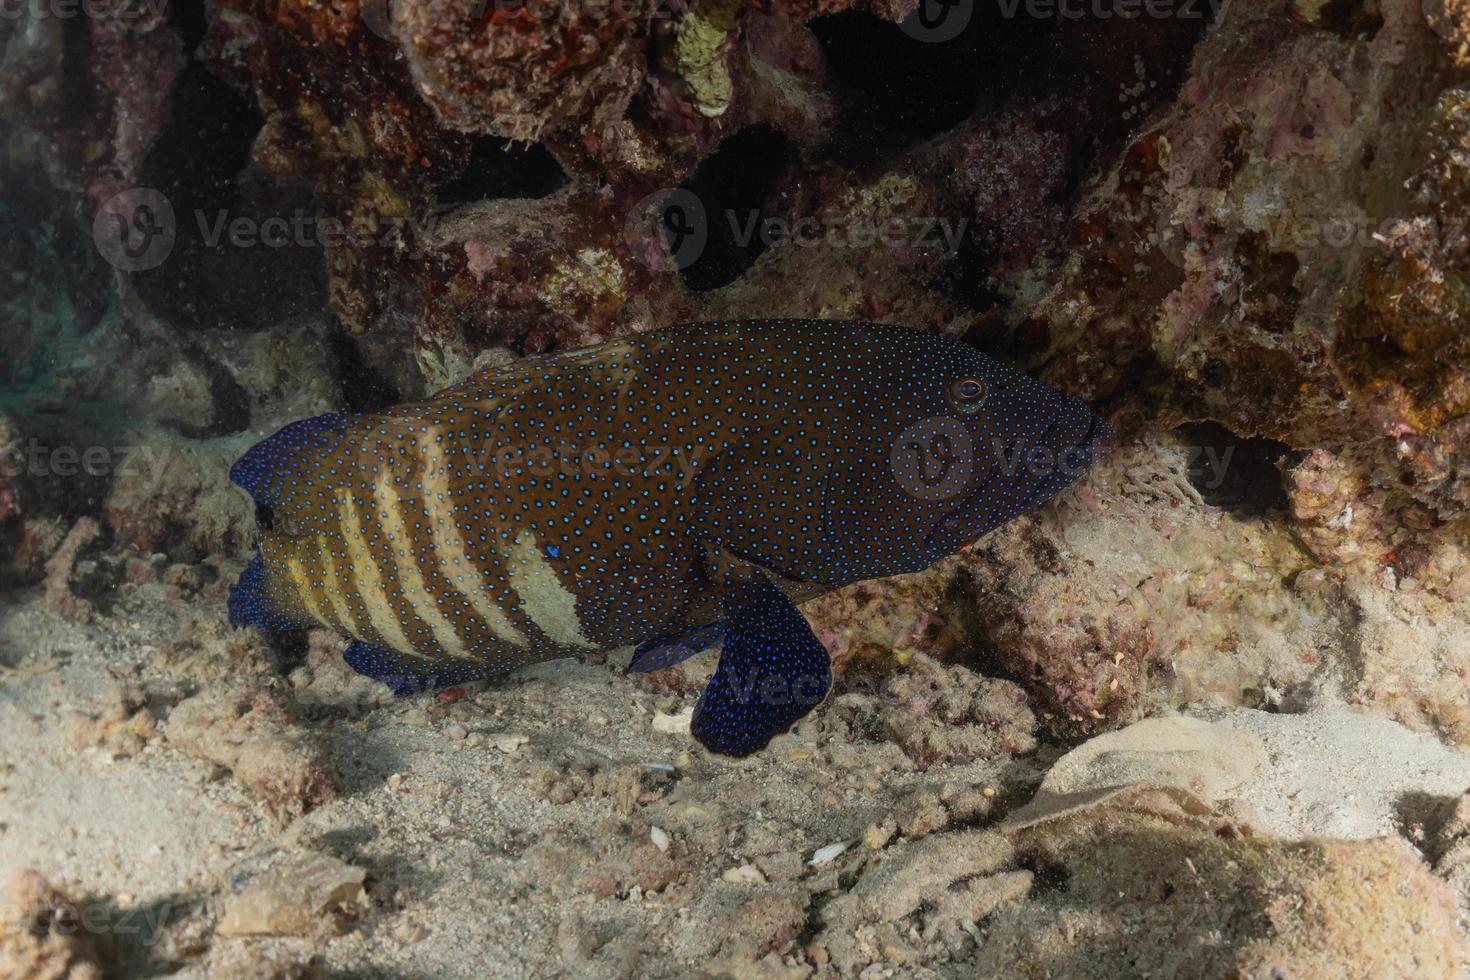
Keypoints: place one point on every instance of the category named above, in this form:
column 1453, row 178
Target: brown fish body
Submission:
column 537, row 511
column 673, row 489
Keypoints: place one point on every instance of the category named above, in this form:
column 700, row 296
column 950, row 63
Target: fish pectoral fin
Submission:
column 665, row 651
column 772, row 671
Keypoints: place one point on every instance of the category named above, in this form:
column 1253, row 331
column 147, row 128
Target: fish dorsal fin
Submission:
column 265, row 468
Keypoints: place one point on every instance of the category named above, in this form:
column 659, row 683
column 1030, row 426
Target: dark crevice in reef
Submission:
column 1357, row 19
column 907, row 89
column 1048, row 876
column 499, row 168
column 231, row 401
column 1012, row 70
column 1238, row 474
column 245, row 250
column 969, row 279
column 1271, row 299
column 1108, row 70
column 363, row 388
column 78, row 86
column 189, row 19
column 733, row 185
column 53, row 285
column 288, row 649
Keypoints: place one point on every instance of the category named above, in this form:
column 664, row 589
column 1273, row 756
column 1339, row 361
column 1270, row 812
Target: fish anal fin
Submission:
column 405, row 675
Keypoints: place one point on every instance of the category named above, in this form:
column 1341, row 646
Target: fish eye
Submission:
column 968, row 393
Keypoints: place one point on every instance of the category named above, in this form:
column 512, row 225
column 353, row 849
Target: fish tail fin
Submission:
column 260, row 470
column 264, row 472
column 250, row 603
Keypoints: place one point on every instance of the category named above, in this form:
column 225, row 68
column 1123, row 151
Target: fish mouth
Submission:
column 1100, row 441
column 1073, row 450
column 1076, row 448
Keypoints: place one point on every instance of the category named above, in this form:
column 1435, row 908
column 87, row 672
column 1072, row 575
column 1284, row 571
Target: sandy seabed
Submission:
column 181, row 806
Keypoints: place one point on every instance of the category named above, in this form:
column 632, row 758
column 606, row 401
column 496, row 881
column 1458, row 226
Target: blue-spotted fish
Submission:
column 676, row 489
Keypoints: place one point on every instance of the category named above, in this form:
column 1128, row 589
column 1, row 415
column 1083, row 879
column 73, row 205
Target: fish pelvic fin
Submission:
column 773, row 670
